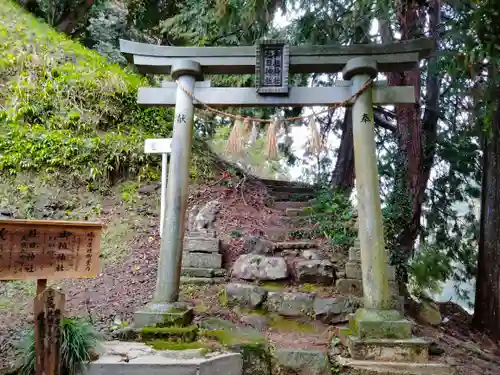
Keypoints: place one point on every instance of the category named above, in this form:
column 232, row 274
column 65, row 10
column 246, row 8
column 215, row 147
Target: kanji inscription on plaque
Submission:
column 271, row 67
column 37, row 249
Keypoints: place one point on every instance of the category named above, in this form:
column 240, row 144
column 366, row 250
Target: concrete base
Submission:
column 118, row 358
column 357, row 367
column 167, row 314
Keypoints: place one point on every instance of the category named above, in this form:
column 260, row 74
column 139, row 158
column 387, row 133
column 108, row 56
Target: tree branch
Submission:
column 379, row 120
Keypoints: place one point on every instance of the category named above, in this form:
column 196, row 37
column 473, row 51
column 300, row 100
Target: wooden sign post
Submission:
column 161, row 146
column 39, row 250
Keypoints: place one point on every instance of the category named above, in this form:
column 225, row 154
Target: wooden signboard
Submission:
column 45, row 249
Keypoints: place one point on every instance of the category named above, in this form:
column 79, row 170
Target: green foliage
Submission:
column 332, row 212
column 78, row 342
column 64, row 108
column 428, row 268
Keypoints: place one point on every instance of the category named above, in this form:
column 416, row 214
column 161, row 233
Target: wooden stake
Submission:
column 41, row 285
column 49, row 310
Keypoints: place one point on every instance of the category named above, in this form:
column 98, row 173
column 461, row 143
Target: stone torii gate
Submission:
column 272, row 61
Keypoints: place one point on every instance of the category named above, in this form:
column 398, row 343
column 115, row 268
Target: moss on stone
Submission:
column 273, row 285
column 374, row 324
column 251, row 345
column 308, row 288
column 282, row 323
column 169, row 345
column 177, row 317
column 176, row 334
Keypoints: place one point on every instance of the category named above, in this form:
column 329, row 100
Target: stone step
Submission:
column 398, row 350
column 293, row 212
column 361, row 367
column 138, row 358
column 202, row 280
column 294, row 197
column 283, row 205
column 279, row 234
column 201, row 260
column 305, row 244
column 203, row 272
column 271, row 183
column 302, row 361
column 292, row 189
column 302, row 220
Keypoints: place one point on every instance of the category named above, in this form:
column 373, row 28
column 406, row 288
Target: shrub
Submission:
column 78, row 342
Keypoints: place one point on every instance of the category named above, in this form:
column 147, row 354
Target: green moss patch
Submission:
column 249, row 342
column 281, row 323
column 175, row 334
column 168, row 345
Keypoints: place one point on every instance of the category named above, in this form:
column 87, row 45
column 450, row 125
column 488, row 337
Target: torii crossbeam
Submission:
column 271, row 62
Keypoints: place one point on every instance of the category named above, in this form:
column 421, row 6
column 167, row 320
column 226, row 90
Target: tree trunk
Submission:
column 343, row 174
column 415, row 137
column 487, row 303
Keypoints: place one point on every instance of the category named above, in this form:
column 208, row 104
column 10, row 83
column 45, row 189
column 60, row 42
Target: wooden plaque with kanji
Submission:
column 44, row 249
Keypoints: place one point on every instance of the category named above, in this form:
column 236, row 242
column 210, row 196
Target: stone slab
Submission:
column 362, row 367
column 203, row 272
column 408, row 350
column 353, row 270
column 159, row 364
column 201, row 280
column 375, row 324
column 177, row 313
column 201, row 245
column 303, row 361
column 201, row 260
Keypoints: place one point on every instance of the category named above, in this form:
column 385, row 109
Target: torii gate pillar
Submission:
column 165, row 299
column 371, row 233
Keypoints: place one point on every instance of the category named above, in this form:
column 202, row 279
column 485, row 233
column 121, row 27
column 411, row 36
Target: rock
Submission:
column 256, row 321
column 303, row 361
column 245, row 295
column 315, row 271
column 259, row 267
column 148, row 189
column 291, row 304
column 428, row 312
column 205, row 218
column 257, row 245
column 310, row 255
column 334, row 310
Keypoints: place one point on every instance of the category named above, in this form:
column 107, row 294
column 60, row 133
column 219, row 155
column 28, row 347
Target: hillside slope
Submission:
column 64, row 109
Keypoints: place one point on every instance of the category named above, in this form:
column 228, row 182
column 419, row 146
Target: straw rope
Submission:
column 367, row 84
